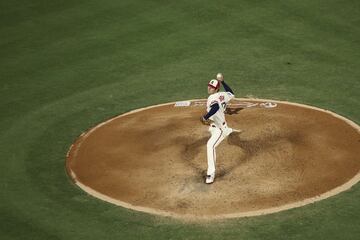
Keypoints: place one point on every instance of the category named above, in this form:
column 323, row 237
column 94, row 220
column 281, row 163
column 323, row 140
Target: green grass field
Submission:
column 67, row 65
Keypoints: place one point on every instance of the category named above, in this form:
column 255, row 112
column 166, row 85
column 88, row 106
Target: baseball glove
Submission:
column 204, row 121
column 231, row 111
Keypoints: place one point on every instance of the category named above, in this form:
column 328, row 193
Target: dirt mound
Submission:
column 154, row 160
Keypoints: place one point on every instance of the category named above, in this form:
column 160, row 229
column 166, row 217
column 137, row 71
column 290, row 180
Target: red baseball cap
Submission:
column 214, row 84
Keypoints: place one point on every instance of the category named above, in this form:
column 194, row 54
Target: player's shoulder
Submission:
column 213, row 96
column 224, row 94
column 227, row 94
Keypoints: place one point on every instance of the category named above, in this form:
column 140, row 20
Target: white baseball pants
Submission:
column 217, row 136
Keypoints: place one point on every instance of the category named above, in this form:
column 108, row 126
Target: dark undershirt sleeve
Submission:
column 227, row 88
column 214, row 108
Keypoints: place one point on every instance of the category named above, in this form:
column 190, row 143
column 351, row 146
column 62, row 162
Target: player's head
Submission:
column 213, row 86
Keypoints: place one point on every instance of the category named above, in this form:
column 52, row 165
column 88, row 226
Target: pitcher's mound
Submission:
column 154, row 159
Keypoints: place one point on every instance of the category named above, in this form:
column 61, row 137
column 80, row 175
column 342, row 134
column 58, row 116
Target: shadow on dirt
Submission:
column 232, row 111
column 251, row 147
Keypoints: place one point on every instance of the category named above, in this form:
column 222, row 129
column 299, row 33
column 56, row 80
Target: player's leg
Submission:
column 228, row 131
column 210, row 146
column 213, row 142
column 222, row 137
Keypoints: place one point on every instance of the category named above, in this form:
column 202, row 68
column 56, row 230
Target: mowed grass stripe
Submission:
column 67, row 66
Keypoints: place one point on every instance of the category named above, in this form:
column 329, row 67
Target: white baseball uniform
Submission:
column 218, row 129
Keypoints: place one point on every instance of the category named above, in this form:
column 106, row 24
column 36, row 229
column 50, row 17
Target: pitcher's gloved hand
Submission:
column 204, row 121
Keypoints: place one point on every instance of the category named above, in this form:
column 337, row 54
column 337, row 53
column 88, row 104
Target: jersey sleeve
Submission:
column 228, row 96
column 227, row 88
column 214, row 108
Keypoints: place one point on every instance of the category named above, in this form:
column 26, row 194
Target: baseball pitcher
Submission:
column 215, row 118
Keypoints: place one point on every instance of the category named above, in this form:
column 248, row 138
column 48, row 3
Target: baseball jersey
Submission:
column 222, row 98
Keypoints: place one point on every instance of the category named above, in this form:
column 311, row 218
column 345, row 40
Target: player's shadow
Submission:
column 250, row 148
column 191, row 150
column 232, row 111
column 253, row 146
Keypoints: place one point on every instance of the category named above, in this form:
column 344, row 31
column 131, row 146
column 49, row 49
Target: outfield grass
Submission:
column 67, row 65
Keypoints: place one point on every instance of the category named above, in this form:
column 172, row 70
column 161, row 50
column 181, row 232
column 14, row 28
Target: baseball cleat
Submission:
column 210, row 178
column 237, row 131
